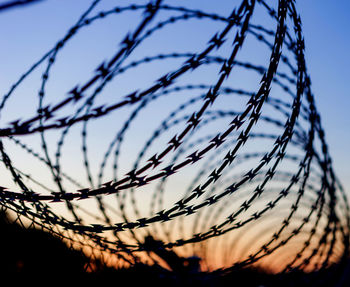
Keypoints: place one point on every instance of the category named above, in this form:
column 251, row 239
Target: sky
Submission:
column 325, row 27
column 326, row 30
column 31, row 31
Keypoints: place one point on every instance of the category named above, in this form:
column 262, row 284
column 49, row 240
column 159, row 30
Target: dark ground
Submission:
column 34, row 256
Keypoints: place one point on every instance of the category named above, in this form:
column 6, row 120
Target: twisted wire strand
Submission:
column 227, row 194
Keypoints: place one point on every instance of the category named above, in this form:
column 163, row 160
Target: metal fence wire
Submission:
column 237, row 174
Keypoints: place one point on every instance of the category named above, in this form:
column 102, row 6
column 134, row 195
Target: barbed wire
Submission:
column 224, row 163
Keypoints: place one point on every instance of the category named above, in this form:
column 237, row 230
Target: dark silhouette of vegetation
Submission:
column 30, row 255
column 31, row 251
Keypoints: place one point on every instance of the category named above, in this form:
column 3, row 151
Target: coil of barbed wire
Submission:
column 210, row 149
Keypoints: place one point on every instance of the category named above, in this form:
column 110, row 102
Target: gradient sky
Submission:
column 326, row 27
column 29, row 32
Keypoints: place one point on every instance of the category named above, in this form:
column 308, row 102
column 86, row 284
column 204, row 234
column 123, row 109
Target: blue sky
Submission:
column 29, row 32
column 326, row 27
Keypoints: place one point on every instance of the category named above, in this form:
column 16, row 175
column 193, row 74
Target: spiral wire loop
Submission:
column 238, row 175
